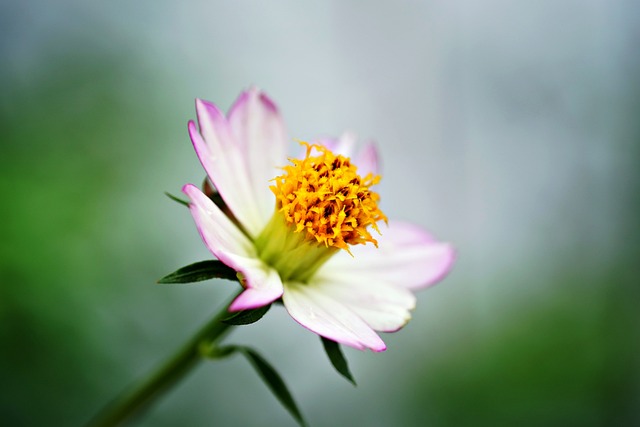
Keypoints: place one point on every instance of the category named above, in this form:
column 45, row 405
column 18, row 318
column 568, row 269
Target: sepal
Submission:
column 199, row 271
column 247, row 317
column 176, row 199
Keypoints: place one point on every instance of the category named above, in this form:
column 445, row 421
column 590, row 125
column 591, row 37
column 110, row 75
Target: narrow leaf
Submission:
column 337, row 359
column 247, row 317
column 199, row 271
column 274, row 382
column 265, row 371
column 176, row 199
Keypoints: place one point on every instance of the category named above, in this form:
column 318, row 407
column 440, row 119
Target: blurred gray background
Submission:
column 508, row 128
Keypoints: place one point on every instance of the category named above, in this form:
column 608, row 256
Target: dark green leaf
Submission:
column 199, row 271
column 246, row 317
column 274, row 382
column 337, row 358
column 266, row 372
column 177, row 199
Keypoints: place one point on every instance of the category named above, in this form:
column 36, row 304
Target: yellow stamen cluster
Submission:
column 324, row 195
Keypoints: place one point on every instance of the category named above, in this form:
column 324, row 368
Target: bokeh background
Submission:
column 511, row 129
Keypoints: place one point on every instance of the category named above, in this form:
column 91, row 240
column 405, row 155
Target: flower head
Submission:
column 307, row 230
column 325, row 196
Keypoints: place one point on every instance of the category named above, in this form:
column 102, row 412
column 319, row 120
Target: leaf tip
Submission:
column 337, row 359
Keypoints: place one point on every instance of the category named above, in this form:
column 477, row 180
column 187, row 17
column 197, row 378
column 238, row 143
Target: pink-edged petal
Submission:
column 367, row 160
column 221, row 236
column 223, row 161
column 407, row 256
column 313, row 309
column 232, row 247
column 381, row 305
column 259, row 129
column 265, row 286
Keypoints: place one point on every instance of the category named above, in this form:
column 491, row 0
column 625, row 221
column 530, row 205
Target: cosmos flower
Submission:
column 307, row 230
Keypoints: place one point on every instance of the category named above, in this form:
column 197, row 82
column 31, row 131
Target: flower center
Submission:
column 322, row 206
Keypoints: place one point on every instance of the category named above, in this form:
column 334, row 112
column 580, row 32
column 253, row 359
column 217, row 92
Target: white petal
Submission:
column 367, row 160
column 319, row 313
column 407, row 256
column 221, row 236
column 259, row 129
column 223, row 159
column 231, row 246
column 381, row 305
column 264, row 287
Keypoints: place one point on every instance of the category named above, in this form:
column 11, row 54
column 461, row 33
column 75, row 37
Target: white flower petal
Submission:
column 367, row 160
column 381, row 305
column 259, row 129
column 407, row 256
column 231, row 246
column 221, row 236
column 223, row 159
column 319, row 313
column 264, row 287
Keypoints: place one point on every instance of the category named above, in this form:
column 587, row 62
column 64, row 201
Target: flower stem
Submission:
column 134, row 400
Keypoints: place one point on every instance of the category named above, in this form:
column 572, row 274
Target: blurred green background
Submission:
column 508, row 128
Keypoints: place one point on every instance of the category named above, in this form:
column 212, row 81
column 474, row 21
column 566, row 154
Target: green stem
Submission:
column 133, row 401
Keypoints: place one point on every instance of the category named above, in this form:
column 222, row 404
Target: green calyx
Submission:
column 293, row 254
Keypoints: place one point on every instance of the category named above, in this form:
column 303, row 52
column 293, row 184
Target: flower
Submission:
column 301, row 230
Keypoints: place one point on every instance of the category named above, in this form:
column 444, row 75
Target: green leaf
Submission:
column 199, row 271
column 176, row 199
column 247, row 317
column 337, row 358
column 274, row 382
column 265, row 371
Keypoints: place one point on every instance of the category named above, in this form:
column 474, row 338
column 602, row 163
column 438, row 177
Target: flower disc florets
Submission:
column 324, row 196
column 322, row 205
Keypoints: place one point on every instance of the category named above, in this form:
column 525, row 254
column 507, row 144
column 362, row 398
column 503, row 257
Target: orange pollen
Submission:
column 324, row 196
